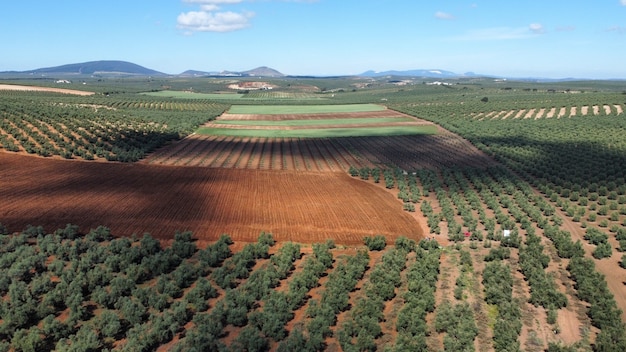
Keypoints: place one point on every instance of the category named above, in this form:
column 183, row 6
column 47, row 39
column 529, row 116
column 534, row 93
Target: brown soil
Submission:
column 44, row 89
column 136, row 198
column 321, row 154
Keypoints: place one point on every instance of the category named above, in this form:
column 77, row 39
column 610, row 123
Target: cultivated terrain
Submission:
column 320, row 214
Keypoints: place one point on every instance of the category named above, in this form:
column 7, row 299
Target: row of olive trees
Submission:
column 231, row 309
column 321, row 313
column 591, row 287
column 43, row 125
column 533, row 263
column 419, row 299
column 45, row 274
column 360, row 331
column 498, row 286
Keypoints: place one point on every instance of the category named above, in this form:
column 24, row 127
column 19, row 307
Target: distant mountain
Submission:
column 124, row 68
column 195, row 73
column 105, row 67
column 262, row 71
column 413, row 73
column 118, row 68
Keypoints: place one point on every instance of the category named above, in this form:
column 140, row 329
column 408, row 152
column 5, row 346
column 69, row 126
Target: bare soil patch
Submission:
column 508, row 114
column 540, row 113
column 584, row 110
column 44, row 89
column 137, row 198
column 556, row 112
column 252, row 85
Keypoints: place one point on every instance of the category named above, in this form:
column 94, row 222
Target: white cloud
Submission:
column 209, row 8
column 208, row 19
column 203, row 21
column 536, row 28
column 623, row 2
column 211, row 18
column 443, row 15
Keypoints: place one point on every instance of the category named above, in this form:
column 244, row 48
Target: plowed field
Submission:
column 160, row 200
column 409, row 152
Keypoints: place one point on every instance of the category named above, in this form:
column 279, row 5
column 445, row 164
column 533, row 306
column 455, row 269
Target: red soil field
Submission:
column 137, row 198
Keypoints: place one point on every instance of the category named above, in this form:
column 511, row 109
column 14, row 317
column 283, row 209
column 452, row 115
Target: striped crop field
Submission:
column 303, row 109
column 317, row 121
column 319, row 138
column 321, row 154
column 328, row 132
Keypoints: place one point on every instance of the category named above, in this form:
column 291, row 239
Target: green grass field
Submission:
column 360, row 121
column 303, row 109
column 322, row 132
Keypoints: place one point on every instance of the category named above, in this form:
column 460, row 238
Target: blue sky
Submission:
column 549, row 38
